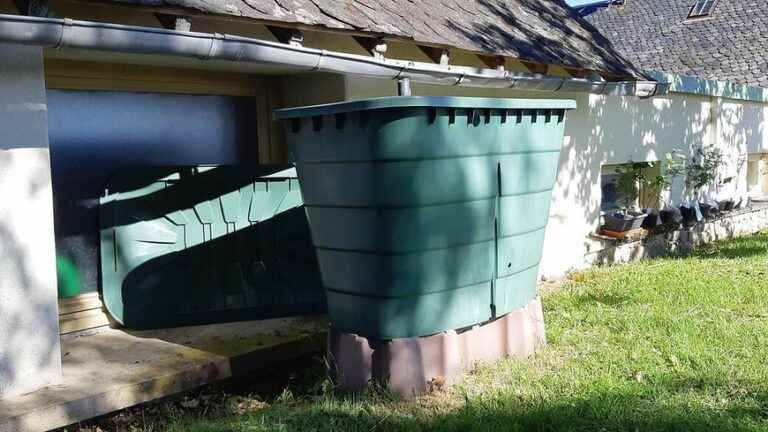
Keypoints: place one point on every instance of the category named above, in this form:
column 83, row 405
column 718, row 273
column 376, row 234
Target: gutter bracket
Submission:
column 440, row 56
column 493, row 62
column 376, row 46
column 288, row 36
column 174, row 22
column 536, row 68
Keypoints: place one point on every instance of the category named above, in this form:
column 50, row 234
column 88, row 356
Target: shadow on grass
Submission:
column 664, row 402
column 616, row 410
column 730, row 252
column 607, row 299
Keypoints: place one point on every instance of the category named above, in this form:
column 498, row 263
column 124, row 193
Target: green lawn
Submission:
column 669, row 344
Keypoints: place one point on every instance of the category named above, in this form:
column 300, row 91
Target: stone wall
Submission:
column 733, row 224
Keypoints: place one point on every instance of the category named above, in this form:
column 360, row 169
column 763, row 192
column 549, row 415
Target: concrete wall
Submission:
column 30, row 356
column 608, row 130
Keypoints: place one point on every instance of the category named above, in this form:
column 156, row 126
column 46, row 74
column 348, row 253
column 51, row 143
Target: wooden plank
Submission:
column 577, row 73
column 85, row 320
column 264, row 117
column 629, row 235
column 493, row 62
column 82, row 75
column 80, row 68
column 83, row 302
column 277, row 144
column 536, row 68
column 67, row 83
column 115, row 369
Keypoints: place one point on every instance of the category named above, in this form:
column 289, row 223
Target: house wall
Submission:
column 603, row 130
column 610, row 130
column 30, row 356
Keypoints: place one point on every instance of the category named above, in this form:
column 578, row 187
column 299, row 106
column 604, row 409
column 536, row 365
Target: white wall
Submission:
column 612, row 129
column 742, row 129
column 30, row 355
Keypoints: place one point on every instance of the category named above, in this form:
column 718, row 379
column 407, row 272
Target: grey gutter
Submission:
column 66, row 33
column 709, row 87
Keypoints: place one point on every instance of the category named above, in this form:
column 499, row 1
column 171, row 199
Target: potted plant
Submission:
column 652, row 218
column 709, row 210
column 703, row 170
column 675, row 167
column 653, row 185
column 672, row 217
column 627, row 217
column 726, row 204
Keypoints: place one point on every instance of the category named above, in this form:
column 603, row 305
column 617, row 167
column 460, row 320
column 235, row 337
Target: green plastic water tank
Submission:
column 427, row 213
column 196, row 245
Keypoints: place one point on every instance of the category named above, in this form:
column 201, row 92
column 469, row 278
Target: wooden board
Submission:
column 79, row 303
column 629, row 235
column 84, row 312
column 85, row 75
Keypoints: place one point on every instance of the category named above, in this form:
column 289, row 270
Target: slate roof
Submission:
column 730, row 45
column 542, row 31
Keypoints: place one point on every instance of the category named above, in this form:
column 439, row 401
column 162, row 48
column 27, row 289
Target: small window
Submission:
column 702, row 8
column 612, row 197
column 757, row 175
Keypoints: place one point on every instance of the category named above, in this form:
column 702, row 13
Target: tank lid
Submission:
column 393, row 102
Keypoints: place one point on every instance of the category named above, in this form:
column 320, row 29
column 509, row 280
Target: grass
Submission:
column 672, row 344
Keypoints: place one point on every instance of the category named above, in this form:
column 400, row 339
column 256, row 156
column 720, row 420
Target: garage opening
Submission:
column 96, row 136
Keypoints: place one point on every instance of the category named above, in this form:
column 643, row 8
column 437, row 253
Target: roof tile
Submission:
column 731, row 44
column 543, row 31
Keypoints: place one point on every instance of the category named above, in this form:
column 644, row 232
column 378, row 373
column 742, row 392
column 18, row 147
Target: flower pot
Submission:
column 620, row 222
column 745, row 202
column 671, row 216
column 652, row 220
column 726, row 205
column 691, row 214
column 708, row 211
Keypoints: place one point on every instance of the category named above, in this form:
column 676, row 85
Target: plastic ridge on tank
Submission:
column 195, row 245
column 427, row 213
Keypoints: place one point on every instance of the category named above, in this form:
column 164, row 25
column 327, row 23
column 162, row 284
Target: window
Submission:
column 702, row 8
column 757, row 175
column 610, row 199
column 613, row 198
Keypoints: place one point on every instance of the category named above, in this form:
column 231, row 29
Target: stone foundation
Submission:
column 412, row 365
column 733, row 224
